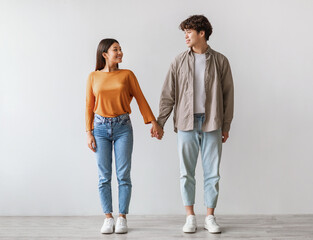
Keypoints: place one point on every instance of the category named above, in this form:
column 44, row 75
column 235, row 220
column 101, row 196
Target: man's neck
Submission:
column 200, row 48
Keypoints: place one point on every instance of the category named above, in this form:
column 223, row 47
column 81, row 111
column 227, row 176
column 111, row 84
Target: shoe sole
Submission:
column 120, row 231
column 205, row 227
column 108, row 232
column 191, row 231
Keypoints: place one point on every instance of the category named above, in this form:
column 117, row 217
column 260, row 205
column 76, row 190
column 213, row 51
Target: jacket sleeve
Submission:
column 167, row 99
column 228, row 95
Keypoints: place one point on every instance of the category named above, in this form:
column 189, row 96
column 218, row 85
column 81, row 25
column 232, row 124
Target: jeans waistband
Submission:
column 199, row 115
column 99, row 119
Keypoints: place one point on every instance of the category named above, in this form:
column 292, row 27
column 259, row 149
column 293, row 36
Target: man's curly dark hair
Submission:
column 198, row 23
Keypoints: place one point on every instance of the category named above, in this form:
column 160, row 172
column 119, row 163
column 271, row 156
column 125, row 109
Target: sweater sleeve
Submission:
column 140, row 98
column 90, row 103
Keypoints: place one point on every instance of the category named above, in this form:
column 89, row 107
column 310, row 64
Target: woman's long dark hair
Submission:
column 103, row 46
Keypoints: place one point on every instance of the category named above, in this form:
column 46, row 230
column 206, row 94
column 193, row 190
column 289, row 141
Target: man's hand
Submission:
column 224, row 136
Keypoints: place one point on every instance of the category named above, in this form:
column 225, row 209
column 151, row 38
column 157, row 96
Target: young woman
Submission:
column 109, row 93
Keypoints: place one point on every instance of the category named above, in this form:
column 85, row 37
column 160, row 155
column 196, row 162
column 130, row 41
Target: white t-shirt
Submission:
column 199, row 89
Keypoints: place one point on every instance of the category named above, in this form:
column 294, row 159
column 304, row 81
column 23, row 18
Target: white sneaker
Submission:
column 108, row 226
column 190, row 225
column 121, row 225
column 211, row 225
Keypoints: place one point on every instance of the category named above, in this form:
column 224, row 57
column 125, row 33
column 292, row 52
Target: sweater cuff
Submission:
column 149, row 120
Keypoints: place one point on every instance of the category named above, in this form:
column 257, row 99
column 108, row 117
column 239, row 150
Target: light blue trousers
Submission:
column 210, row 145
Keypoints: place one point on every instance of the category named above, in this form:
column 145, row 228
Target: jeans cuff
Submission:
column 189, row 203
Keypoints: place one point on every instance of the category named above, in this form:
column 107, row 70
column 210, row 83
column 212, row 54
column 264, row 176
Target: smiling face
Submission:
column 114, row 54
column 193, row 37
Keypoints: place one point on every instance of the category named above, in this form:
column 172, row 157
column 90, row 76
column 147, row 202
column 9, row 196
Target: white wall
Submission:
column 47, row 51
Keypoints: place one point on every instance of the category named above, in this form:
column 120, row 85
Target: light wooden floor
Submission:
column 257, row 227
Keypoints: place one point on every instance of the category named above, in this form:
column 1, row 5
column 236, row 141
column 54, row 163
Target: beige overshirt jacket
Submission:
column 178, row 93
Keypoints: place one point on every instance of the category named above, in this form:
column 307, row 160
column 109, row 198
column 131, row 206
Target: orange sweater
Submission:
column 109, row 94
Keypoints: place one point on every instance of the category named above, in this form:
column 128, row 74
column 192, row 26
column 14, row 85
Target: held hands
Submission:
column 91, row 141
column 156, row 130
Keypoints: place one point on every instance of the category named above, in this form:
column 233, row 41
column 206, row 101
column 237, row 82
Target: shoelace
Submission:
column 212, row 221
column 121, row 222
column 190, row 220
column 107, row 221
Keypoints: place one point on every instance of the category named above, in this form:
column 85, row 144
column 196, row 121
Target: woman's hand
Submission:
column 91, row 141
column 156, row 130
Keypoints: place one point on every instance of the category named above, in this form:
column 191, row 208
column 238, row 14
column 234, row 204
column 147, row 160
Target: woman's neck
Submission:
column 110, row 68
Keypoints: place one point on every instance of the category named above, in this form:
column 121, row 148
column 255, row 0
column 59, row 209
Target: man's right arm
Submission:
column 167, row 99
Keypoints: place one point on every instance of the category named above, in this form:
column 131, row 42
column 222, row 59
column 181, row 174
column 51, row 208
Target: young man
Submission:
column 199, row 87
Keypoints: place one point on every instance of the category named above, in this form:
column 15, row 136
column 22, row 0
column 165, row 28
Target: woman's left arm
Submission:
column 156, row 130
column 144, row 107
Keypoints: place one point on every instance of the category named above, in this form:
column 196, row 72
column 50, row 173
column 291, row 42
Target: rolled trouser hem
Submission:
column 210, row 205
column 124, row 212
column 109, row 212
column 189, row 204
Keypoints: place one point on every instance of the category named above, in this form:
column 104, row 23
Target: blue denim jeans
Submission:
column 114, row 133
column 210, row 144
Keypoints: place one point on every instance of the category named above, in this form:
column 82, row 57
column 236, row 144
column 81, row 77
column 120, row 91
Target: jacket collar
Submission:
column 208, row 52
